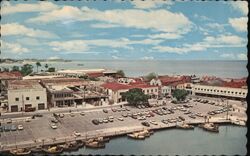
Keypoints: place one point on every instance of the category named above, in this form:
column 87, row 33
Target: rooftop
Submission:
column 23, row 84
column 10, row 75
column 117, row 86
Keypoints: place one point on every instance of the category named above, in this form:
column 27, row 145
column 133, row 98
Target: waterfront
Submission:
column 230, row 141
column 227, row 69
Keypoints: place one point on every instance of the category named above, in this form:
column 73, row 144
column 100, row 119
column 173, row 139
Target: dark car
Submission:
column 134, row 116
column 95, row 121
column 13, row 128
column 7, row 128
column 1, row 128
column 105, row 110
column 113, row 109
column 145, row 123
column 182, row 118
column 38, row 115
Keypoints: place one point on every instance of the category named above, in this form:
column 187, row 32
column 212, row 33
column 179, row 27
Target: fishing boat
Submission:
column 20, row 151
column 95, row 144
column 70, row 146
column 53, row 149
column 185, row 126
column 136, row 136
column 210, row 127
column 37, row 149
column 80, row 143
column 102, row 139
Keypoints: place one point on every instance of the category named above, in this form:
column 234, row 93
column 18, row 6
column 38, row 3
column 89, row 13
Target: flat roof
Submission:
column 23, row 84
column 10, row 75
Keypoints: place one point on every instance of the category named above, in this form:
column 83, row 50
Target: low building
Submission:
column 86, row 72
column 25, row 94
column 5, row 76
column 128, row 80
column 115, row 90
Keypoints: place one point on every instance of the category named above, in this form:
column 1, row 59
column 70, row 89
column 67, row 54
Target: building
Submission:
column 5, row 76
column 114, row 90
column 128, row 80
column 25, row 94
column 86, row 72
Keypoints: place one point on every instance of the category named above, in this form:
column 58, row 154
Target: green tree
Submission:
column 120, row 73
column 151, row 76
column 135, row 96
column 179, row 94
column 26, row 69
column 6, row 69
column 46, row 66
column 51, row 69
column 38, row 64
column 15, row 68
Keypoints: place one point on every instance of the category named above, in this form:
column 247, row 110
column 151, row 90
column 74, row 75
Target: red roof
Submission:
column 10, row 75
column 117, row 86
column 95, row 75
column 167, row 80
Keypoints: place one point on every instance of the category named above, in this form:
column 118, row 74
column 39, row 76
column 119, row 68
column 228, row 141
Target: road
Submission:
column 39, row 128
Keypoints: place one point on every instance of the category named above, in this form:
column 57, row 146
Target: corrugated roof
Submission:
column 23, row 84
column 10, row 75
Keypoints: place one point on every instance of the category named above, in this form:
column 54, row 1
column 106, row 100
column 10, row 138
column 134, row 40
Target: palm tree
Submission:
column 38, row 64
column 46, row 66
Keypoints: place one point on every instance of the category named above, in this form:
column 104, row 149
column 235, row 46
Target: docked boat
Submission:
column 53, row 149
column 136, row 136
column 70, row 146
column 95, row 144
column 37, row 149
column 185, row 126
column 102, row 139
column 80, row 143
column 20, row 151
column 210, row 127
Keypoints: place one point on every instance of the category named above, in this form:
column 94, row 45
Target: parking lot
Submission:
column 39, row 128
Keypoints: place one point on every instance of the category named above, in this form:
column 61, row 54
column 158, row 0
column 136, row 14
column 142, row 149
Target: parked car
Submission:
column 61, row 115
column 82, row 113
column 182, row 118
column 105, row 110
column 13, row 128
column 120, row 118
column 145, row 123
column 153, row 122
column 28, row 119
column 113, row 109
column 38, row 115
column 100, row 121
column 1, row 128
column 72, row 114
column 127, row 109
column 105, row 120
column 53, row 120
column 8, row 121
column 125, row 115
column 20, row 127
column 7, row 128
column 164, row 121
column 53, row 126
column 77, row 134
column 95, row 121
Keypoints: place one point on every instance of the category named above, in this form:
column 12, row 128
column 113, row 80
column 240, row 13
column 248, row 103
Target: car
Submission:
column 20, row 127
column 148, row 115
column 100, row 121
column 72, row 114
column 105, row 110
column 77, row 134
column 38, row 115
column 182, row 118
column 1, row 128
column 153, row 122
column 125, row 115
column 123, row 109
column 134, row 116
column 129, row 114
column 187, row 112
column 53, row 120
column 105, row 120
column 141, row 118
column 164, row 121
column 13, row 128
column 127, row 109
column 61, row 115
column 7, row 128
column 192, row 116
column 95, row 121
column 151, row 114
column 142, row 106
column 82, row 113
column 53, row 126
column 119, row 109
column 113, row 109
column 110, row 120
column 145, row 123
column 28, row 119
column 120, row 118
column 8, row 121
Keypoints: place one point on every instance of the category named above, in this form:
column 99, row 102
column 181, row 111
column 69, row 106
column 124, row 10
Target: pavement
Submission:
column 39, row 128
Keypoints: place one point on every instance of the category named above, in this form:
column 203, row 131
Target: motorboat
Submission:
column 20, row 151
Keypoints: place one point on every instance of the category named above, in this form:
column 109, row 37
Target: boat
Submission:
column 70, row 146
column 80, row 143
column 53, row 149
column 20, row 151
column 37, row 149
column 102, row 139
column 95, row 144
column 185, row 126
column 136, row 136
column 210, row 127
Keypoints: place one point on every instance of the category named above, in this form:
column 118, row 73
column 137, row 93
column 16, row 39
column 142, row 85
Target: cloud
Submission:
column 159, row 20
column 29, row 41
column 225, row 39
column 242, row 56
column 166, row 36
column 54, row 58
column 241, row 6
column 228, row 55
column 115, row 57
column 147, row 58
column 78, row 46
column 10, row 29
column 239, row 24
column 6, row 8
column 14, row 48
column 216, row 26
column 180, row 50
column 149, row 4
column 201, row 17
column 104, row 25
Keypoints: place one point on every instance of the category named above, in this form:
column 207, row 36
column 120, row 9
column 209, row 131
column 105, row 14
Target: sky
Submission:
column 125, row 30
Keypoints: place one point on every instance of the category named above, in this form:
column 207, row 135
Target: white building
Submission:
column 24, row 94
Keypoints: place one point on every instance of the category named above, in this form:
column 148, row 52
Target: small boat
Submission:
column 37, row 149
column 210, row 127
column 80, row 143
column 136, row 136
column 53, row 149
column 70, row 146
column 102, row 139
column 185, row 126
column 95, row 144
column 20, row 151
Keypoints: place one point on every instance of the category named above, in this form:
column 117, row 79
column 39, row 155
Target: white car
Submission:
column 120, row 118
column 53, row 126
column 77, row 133
column 82, row 113
column 72, row 114
column 20, row 127
column 111, row 117
column 28, row 119
column 153, row 122
column 9, row 121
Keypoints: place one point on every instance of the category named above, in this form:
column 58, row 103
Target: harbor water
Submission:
column 231, row 140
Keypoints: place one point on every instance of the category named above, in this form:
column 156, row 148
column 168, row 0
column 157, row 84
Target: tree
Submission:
column 46, row 66
column 135, row 96
column 15, row 68
column 26, row 69
column 51, row 69
column 6, row 69
column 179, row 94
column 151, row 76
column 38, row 64
column 120, row 73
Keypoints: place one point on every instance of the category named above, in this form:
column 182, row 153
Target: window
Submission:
column 225, row 91
column 38, row 97
column 27, row 98
column 232, row 92
column 239, row 92
column 156, row 90
column 217, row 90
column 214, row 90
column 243, row 93
column 201, row 88
column 221, row 91
column 211, row 90
column 17, row 99
column 236, row 92
column 152, row 90
column 198, row 88
column 228, row 92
